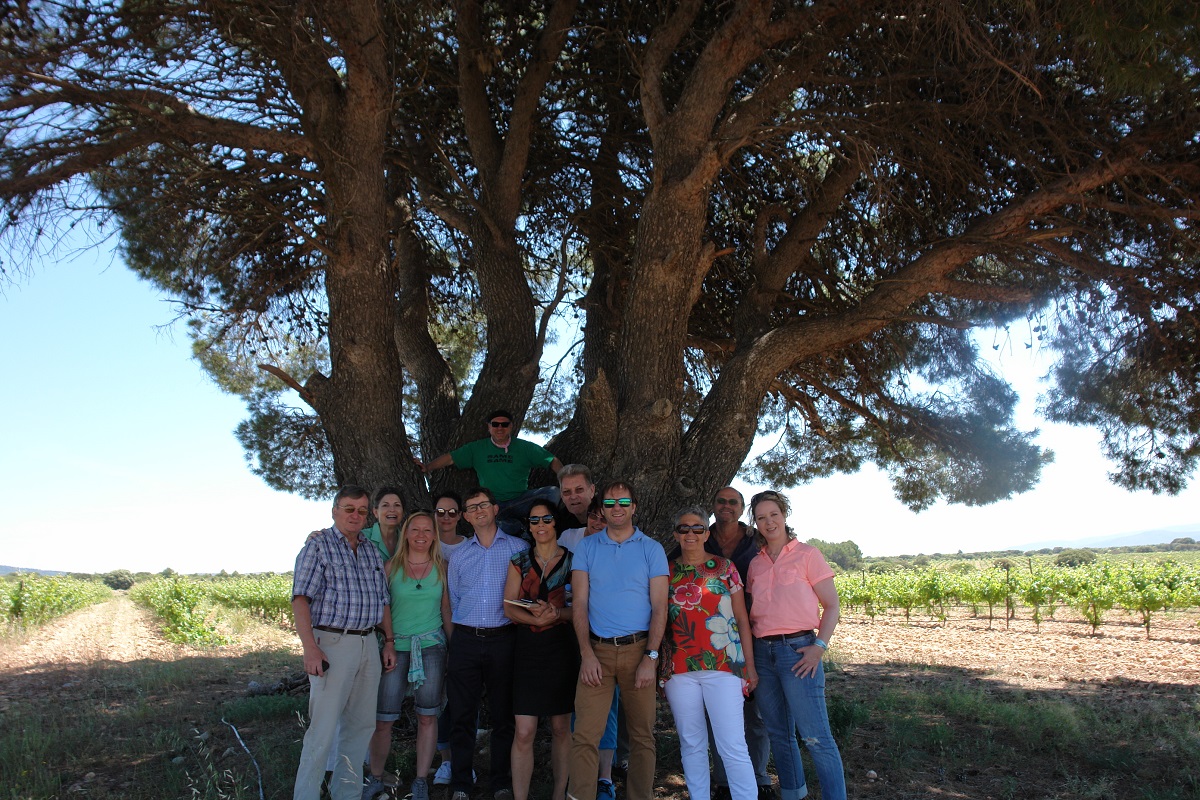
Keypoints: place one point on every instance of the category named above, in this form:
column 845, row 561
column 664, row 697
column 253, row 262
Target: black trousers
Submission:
column 473, row 663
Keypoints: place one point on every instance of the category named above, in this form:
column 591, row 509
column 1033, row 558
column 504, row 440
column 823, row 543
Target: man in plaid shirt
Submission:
column 340, row 597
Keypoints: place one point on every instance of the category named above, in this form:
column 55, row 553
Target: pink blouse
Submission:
column 784, row 600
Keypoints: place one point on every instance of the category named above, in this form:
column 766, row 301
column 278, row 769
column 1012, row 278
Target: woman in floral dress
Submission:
column 704, row 666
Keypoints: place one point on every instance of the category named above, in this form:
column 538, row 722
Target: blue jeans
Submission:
column 791, row 705
column 428, row 698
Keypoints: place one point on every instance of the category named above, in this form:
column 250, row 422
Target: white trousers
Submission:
column 341, row 716
column 720, row 693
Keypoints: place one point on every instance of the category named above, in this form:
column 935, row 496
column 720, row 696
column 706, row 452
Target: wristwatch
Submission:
column 652, row 655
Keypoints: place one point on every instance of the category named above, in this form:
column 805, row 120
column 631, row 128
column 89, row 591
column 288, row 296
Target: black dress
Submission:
column 546, row 665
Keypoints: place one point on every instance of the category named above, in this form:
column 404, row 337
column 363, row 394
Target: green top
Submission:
column 506, row 473
column 376, row 537
column 415, row 611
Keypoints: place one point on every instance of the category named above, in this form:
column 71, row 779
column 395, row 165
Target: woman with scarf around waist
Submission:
column 417, row 577
column 794, row 614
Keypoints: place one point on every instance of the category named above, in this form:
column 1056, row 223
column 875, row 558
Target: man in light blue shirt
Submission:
column 481, row 646
column 619, row 583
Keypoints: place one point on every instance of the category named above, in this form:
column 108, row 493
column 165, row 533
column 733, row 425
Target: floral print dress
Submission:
column 702, row 633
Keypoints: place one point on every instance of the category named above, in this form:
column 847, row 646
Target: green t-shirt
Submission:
column 415, row 611
column 506, row 473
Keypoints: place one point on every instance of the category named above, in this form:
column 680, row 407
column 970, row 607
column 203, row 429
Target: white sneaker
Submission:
column 443, row 774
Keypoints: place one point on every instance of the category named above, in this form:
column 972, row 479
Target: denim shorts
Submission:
column 428, row 699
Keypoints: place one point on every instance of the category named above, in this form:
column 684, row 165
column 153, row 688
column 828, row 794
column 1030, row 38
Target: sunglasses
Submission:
column 498, row 424
column 728, row 501
column 624, row 502
column 686, row 529
column 596, row 515
column 545, row 519
column 360, row 510
column 447, row 512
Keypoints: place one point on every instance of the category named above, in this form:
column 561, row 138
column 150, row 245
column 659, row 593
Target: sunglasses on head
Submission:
column 686, row 529
column 447, row 512
column 545, row 519
column 623, row 502
column 500, row 423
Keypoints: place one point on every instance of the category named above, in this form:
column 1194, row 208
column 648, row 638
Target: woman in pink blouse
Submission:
column 794, row 613
column 704, row 666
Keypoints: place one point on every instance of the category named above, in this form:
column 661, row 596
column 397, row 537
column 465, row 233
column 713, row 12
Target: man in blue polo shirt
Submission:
column 619, row 582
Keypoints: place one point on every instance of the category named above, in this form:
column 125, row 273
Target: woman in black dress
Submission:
column 546, row 666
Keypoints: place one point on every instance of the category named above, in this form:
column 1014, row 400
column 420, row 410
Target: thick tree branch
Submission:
column 506, row 187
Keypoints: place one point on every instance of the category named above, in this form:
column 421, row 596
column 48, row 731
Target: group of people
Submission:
column 559, row 622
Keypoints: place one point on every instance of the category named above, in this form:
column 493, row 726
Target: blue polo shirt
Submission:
column 619, row 580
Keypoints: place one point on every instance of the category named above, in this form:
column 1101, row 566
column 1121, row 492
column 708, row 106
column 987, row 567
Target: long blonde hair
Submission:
column 399, row 561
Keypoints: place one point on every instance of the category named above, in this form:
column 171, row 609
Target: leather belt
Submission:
column 344, row 631
column 779, row 637
column 632, row 638
column 483, row 631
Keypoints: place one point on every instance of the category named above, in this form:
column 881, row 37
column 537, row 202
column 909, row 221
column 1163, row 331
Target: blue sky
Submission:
column 116, row 451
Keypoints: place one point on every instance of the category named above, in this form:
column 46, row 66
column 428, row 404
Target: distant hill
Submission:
column 7, row 570
column 1152, row 536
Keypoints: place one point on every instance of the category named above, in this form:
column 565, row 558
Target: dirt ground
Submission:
column 116, row 631
column 1063, row 653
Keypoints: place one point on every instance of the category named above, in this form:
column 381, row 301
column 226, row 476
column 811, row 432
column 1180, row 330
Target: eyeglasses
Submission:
column 447, row 512
column 360, row 510
column 545, row 519
column 623, row 502
column 683, row 530
column 500, row 423
column 471, row 509
column 596, row 515
column 728, row 501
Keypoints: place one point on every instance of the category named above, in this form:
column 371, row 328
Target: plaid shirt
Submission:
column 346, row 588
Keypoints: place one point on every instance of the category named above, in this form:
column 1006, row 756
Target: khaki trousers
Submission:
column 619, row 664
column 341, row 716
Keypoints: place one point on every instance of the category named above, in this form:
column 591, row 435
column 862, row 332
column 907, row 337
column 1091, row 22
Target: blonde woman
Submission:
column 417, row 579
